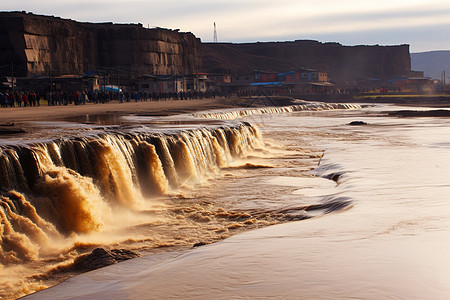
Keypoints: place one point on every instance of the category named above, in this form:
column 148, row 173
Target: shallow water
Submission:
column 134, row 185
column 379, row 195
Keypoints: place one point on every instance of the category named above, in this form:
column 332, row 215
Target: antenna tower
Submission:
column 215, row 33
column 444, row 84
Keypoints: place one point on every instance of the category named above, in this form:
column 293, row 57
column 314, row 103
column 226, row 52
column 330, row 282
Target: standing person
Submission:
column 31, row 100
column 11, row 99
column 50, row 98
column 83, row 98
column 35, row 98
column 25, row 99
column 38, row 99
column 6, row 98
column 121, row 96
column 138, row 96
column 77, row 98
column 18, row 98
column 58, row 98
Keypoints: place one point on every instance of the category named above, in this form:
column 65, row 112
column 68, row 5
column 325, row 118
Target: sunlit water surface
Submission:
column 385, row 234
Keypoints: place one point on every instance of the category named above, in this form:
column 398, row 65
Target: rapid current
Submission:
column 164, row 184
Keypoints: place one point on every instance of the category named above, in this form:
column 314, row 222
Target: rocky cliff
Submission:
column 38, row 45
column 343, row 63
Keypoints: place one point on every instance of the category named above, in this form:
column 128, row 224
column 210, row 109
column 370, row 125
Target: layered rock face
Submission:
column 343, row 63
column 38, row 45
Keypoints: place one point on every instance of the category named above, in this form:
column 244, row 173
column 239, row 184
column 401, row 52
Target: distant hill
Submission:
column 432, row 63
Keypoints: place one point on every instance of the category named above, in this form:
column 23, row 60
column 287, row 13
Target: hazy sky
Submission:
column 424, row 24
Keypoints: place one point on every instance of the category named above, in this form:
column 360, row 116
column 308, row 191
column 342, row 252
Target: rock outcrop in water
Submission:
column 100, row 257
column 38, row 45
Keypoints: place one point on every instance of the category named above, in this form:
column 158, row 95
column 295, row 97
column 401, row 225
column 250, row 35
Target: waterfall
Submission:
column 70, row 186
column 305, row 106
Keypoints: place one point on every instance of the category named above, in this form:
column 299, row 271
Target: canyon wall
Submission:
column 343, row 63
column 38, row 45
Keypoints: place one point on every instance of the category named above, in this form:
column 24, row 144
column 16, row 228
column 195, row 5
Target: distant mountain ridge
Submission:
column 432, row 63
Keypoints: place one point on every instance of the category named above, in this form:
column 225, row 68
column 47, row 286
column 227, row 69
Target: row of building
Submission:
column 299, row 81
column 195, row 82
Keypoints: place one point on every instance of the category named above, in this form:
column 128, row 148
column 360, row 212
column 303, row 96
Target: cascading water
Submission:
column 69, row 186
column 302, row 106
column 63, row 198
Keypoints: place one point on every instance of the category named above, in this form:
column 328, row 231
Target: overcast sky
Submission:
column 424, row 24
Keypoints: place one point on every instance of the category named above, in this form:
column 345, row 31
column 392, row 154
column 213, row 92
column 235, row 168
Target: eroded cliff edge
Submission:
column 39, row 45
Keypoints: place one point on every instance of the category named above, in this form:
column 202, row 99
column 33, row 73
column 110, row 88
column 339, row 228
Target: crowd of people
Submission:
column 20, row 98
column 17, row 98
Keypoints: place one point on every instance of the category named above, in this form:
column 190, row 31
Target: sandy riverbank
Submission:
column 18, row 120
column 160, row 108
column 19, row 114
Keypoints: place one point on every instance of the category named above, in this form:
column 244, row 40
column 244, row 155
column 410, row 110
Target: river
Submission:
column 358, row 212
